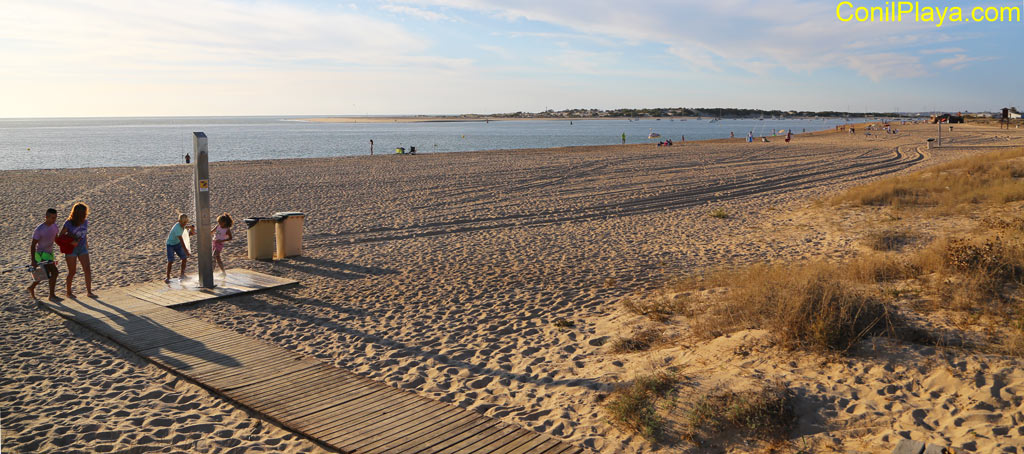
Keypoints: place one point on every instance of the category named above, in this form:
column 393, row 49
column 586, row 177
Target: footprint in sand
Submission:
column 414, row 383
column 161, row 422
column 482, row 382
column 888, row 389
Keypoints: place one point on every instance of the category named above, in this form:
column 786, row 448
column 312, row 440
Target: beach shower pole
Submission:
column 940, row 133
column 201, row 184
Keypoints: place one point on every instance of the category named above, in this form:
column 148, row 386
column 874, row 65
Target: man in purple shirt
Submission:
column 42, row 250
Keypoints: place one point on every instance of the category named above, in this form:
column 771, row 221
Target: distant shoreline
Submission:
column 465, row 119
column 437, row 119
column 570, row 148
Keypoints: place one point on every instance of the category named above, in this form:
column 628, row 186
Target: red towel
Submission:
column 66, row 243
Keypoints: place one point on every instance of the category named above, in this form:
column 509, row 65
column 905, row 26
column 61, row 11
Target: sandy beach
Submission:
column 444, row 274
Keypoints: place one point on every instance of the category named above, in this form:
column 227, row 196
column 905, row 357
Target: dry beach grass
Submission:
column 489, row 280
column 960, row 296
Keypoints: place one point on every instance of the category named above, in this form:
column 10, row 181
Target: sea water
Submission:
column 105, row 142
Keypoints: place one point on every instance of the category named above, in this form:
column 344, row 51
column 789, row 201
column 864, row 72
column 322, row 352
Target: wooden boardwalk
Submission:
column 339, row 409
column 187, row 291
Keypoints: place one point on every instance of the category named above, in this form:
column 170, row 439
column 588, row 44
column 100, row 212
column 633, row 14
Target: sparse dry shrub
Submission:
column 977, row 274
column 877, row 268
column 986, row 178
column 971, row 293
column 931, row 258
column 979, row 277
column 1015, row 224
column 822, row 306
column 634, row 407
column 808, row 306
column 641, row 339
column 992, row 257
column 561, row 322
column 659, row 307
column 765, row 413
column 889, row 240
column 1011, row 344
column 888, row 193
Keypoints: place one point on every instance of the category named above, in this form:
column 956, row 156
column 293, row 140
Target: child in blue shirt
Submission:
column 175, row 245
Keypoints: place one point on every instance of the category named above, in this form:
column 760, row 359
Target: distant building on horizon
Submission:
column 947, row 118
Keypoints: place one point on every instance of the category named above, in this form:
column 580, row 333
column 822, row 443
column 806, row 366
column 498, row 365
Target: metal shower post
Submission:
column 201, row 174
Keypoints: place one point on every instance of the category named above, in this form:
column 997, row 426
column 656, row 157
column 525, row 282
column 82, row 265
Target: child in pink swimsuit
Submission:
column 221, row 233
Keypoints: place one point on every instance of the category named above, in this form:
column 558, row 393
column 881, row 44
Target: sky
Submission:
column 95, row 58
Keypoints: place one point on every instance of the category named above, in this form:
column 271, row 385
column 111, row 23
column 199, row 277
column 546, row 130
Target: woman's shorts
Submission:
column 81, row 249
column 175, row 249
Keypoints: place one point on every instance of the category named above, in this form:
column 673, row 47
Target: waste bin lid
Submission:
column 282, row 215
column 253, row 220
column 931, row 140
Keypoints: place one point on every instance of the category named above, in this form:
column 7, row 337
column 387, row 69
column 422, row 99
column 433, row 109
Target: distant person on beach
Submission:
column 221, row 234
column 371, row 147
column 789, row 136
column 188, row 159
column 77, row 226
column 42, row 251
column 682, row 139
column 732, row 135
column 623, row 138
column 750, row 137
column 175, row 245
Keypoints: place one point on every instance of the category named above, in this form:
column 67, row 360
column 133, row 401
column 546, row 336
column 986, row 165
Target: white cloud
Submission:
column 585, row 62
column 562, row 36
column 960, row 61
column 417, row 12
column 696, row 55
column 496, row 50
column 882, row 66
column 947, row 50
column 129, row 57
column 120, row 38
column 755, row 36
column 145, row 57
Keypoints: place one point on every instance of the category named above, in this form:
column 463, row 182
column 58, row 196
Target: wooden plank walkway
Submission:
column 187, row 291
column 339, row 409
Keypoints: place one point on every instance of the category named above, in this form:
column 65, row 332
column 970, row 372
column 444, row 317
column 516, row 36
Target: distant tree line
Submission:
column 715, row 112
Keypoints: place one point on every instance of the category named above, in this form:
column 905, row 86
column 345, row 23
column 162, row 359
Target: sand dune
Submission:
column 441, row 274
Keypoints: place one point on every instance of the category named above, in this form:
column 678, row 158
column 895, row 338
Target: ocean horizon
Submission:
column 60, row 143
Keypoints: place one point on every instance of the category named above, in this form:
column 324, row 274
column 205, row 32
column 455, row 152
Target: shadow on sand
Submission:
column 141, row 334
column 399, row 349
column 331, row 268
